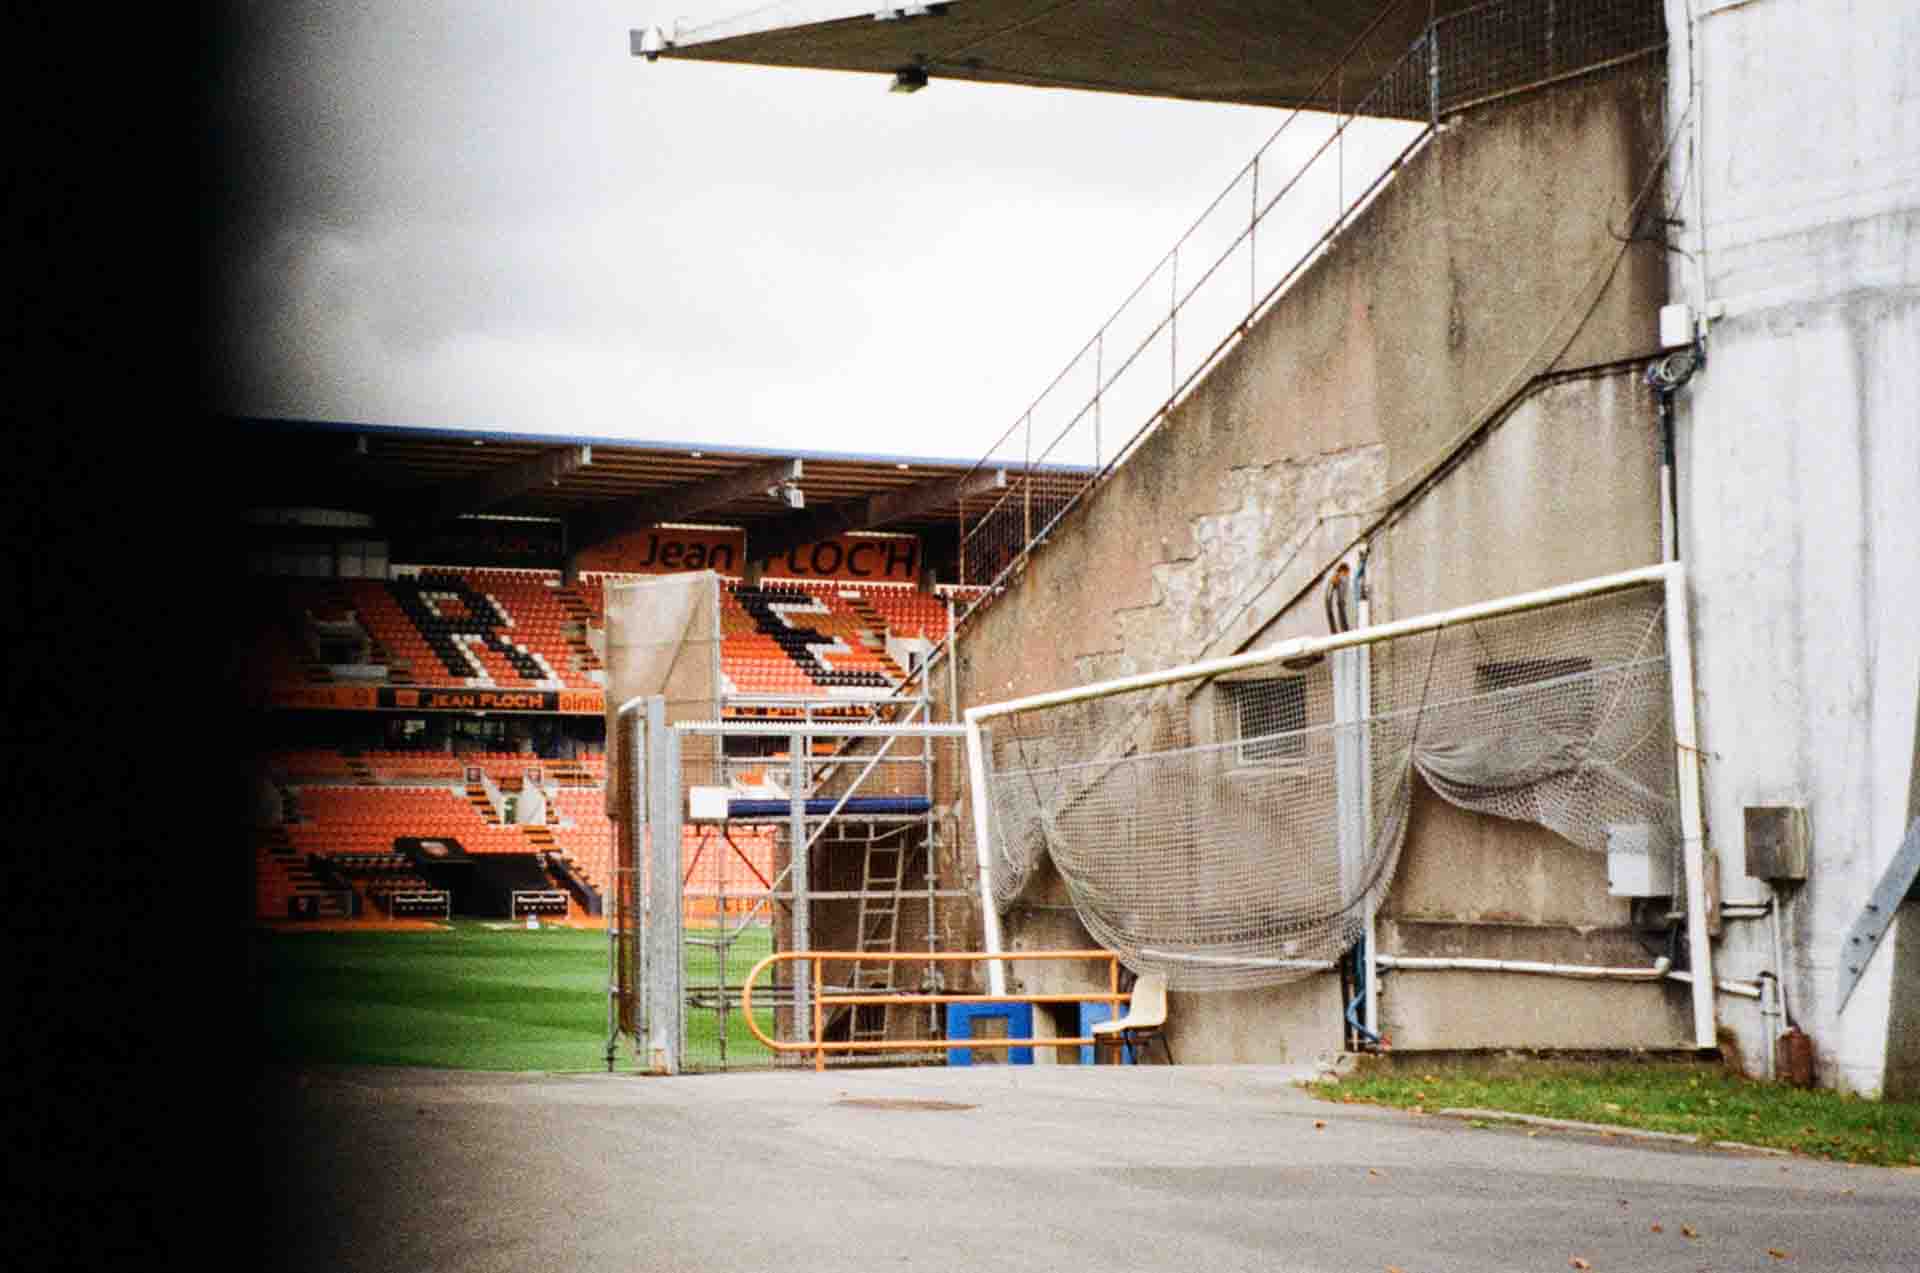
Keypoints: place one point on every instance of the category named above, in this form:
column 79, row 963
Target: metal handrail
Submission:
column 822, row 996
column 1105, row 379
column 1414, row 86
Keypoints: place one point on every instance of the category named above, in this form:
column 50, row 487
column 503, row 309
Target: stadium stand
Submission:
column 521, row 629
column 374, row 746
column 353, row 825
column 513, row 629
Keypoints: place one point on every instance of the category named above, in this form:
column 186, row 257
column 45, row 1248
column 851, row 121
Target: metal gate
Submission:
column 825, row 829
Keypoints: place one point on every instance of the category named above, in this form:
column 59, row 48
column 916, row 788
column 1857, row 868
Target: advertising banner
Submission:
column 411, row 698
column 852, row 559
column 672, row 550
column 669, row 550
column 516, row 545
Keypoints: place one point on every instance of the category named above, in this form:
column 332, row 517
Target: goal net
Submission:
column 1232, row 824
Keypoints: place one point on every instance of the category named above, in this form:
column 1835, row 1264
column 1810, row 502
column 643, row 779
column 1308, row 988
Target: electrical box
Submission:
column 1639, row 861
column 1676, row 326
column 707, row 804
column 1778, row 846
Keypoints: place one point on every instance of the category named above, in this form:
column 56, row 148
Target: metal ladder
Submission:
column 881, row 874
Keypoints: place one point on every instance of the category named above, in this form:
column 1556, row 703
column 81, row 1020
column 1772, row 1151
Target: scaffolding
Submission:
column 806, row 831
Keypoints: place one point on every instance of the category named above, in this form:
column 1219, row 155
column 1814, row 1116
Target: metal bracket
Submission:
column 1864, row 937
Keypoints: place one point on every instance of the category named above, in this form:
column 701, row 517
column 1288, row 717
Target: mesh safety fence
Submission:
column 1231, row 832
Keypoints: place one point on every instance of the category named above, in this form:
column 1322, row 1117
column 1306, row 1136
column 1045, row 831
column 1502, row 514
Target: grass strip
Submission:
column 473, row 996
column 1709, row 1103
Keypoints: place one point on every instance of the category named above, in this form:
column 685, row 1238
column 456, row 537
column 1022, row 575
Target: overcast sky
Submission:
column 486, row 214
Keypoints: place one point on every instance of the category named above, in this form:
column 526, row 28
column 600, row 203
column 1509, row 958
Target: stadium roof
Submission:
column 1253, row 52
column 599, row 486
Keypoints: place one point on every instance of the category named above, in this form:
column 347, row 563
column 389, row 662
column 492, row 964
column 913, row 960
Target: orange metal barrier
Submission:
column 822, row 997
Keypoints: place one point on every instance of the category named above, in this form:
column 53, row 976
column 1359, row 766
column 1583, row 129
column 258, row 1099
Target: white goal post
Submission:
column 1485, row 746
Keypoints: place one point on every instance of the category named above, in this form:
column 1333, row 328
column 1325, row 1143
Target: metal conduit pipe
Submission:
column 1769, row 987
column 1734, row 910
column 1745, row 989
column 1770, row 1017
column 1779, row 960
column 1661, row 967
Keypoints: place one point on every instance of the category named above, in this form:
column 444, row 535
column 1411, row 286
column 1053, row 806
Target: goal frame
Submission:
column 1670, row 576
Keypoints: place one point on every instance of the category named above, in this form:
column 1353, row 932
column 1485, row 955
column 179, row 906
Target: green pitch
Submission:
column 475, row 996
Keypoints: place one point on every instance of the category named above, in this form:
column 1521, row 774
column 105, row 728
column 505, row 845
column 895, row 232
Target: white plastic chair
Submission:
column 1145, row 1020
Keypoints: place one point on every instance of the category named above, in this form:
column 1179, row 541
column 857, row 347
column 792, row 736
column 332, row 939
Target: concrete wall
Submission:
column 1497, row 255
column 1799, row 470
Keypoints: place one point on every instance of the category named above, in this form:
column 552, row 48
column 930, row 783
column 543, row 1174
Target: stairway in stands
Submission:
column 286, row 872
column 481, row 802
column 578, row 611
column 873, row 628
column 570, row 773
column 540, row 840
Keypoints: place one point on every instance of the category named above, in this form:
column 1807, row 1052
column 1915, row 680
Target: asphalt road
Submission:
column 1193, row 1168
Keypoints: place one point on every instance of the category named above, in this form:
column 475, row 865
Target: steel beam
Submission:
column 482, row 491
column 1877, row 912
column 600, row 525
column 871, row 513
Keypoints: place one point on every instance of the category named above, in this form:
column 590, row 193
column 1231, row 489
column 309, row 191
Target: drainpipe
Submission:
column 1668, row 548
column 1369, row 969
column 1665, row 375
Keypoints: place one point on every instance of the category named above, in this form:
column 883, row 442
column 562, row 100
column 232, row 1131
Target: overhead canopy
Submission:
column 1253, row 52
column 599, row 486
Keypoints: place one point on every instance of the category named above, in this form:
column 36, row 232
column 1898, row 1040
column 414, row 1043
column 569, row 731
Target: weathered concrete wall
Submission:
column 1799, row 470
column 1566, row 489
column 1493, row 257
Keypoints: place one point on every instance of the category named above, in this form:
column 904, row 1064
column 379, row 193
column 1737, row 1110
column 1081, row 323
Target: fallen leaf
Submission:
column 1656, row 1227
column 1579, row 1263
column 1395, row 1268
column 1778, row 1254
column 1625, row 1203
column 1416, row 1110
column 1531, row 1135
column 1688, row 1231
column 1374, row 1171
